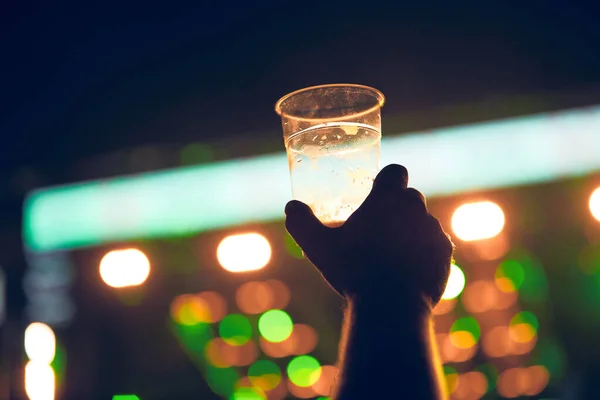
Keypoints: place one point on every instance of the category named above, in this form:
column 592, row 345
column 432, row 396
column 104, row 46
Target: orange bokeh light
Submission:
column 480, row 296
column 255, row 297
column 326, row 380
column 301, row 392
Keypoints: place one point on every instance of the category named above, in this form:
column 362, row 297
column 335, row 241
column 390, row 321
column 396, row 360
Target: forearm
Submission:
column 387, row 352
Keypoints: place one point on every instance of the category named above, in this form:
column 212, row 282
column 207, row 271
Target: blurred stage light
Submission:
column 275, row 325
column 235, row 329
column 124, row 268
column 125, row 397
column 456, row 283
column 477, row 221
column 244, row 252
column 304, row 371
column 40, row 343
column 326, row 379
column 39, row 381
column 265, row 374
column 595, row 204
column 85, row 214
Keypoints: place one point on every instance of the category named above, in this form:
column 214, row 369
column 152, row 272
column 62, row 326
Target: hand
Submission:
column 390, row 247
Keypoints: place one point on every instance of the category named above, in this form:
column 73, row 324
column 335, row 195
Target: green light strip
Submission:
column 189, row 200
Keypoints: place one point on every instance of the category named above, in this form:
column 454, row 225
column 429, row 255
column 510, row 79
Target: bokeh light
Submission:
column 222, row 380
column 304, row 370
column 274, row 349
column 124, row 268
column 496, row 342
column 248, row 393
column 451, row 378
column 125, row 397
column 509, row 276
column 327, row 377
column 477, row 221
column 221, row 354
column 189, row 309
column 456, row 283
column 244, row 252
column 275, row 325
column 40, row 343
column 39, row 381
column 595, row 203
column 255, row 297
column 265, row 374
column 303, row 340
column 300, row 392
column 523, row 327
column 468, row 325
column 480, row 296
column 235, row 329
column 193, row 309
column 281, row 291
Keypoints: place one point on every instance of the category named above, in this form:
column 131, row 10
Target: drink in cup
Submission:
column 332, row 137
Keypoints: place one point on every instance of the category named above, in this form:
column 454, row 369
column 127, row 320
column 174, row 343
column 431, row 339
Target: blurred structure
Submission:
column 230, row 309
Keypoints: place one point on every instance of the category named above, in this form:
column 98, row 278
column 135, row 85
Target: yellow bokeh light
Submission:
column 478, row 221
column 40, row 343
column 522, row 333
column 244, row 252
column 39, row 381
column 595, row 204
column 456, row 283
column 123, row 268
column 462, row 339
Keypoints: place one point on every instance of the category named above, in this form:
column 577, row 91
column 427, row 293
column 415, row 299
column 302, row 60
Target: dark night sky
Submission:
column 84, row 80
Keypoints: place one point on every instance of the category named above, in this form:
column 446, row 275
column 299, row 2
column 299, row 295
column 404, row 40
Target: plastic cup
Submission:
column 332, row 136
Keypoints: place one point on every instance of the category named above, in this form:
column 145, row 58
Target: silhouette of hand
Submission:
column 389, row 248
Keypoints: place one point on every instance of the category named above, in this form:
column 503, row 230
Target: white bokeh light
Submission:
column 456, row 283
column 244, row 252
column 40, row 343
column 595, row 204
column 123, row 268
column 478, row 221
column 39, row 381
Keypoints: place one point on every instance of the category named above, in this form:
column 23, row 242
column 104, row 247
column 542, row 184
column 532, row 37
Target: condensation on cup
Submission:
column 332, row 137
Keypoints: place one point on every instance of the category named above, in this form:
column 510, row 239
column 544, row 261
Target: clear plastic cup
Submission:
column 332, row 137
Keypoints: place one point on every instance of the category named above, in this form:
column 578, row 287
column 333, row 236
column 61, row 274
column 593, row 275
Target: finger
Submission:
column 414, row 200
column 392, row 177
column 311, row 235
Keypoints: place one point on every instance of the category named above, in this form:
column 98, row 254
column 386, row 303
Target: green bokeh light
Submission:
column 468, row 324
column 222, row 380
column 275, row 325
column 247, row 393
column 525, row 317
column 292, row 247
column 304, row 371
column 513, row 271
column 264, row 374
column 524, row 268
column 125, row 397
column 235, row 329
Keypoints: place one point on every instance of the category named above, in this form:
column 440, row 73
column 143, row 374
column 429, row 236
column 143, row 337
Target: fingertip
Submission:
column 295, row 207
column 392, row 176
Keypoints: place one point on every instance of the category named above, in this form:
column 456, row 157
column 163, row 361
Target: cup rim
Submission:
column 376, row 94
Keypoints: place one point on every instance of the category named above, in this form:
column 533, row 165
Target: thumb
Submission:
column 311, row 235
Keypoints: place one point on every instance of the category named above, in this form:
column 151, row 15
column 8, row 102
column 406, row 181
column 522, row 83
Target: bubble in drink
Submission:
column 333, row 166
